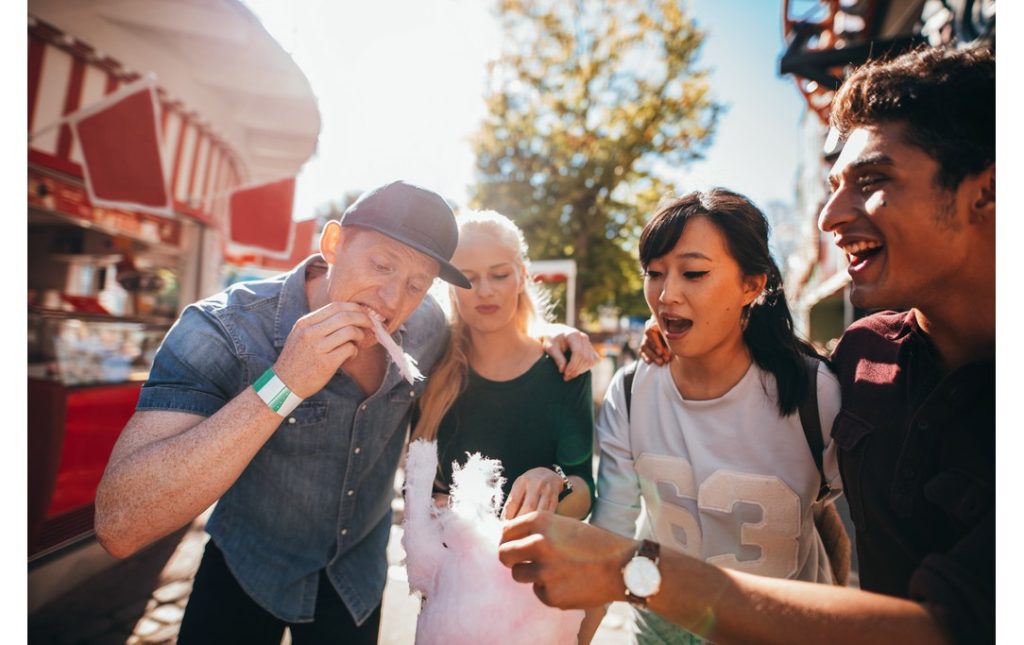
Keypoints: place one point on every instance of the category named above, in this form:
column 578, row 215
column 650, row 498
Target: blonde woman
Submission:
column 496, row 391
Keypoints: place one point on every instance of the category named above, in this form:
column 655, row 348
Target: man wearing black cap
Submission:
column 275, row 398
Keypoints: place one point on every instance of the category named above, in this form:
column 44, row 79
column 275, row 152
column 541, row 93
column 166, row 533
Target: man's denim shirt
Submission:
column 318, row 493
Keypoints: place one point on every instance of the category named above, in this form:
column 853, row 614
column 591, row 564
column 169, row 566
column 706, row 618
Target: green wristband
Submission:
column 275, row 393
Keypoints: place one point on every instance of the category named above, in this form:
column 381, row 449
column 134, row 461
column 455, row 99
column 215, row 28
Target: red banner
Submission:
column 260, row 219
column 304, row 243
column 122, row 151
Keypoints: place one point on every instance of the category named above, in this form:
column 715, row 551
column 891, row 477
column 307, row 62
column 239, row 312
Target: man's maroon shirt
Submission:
column 917, row 455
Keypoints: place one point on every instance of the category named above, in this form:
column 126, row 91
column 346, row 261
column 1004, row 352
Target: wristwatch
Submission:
column 641, row 574
column 566, row 484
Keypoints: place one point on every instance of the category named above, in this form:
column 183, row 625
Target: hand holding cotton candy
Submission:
column 406, row 364
column 452, row 559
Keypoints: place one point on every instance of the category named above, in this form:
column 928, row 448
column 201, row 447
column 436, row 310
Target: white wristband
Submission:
column 275, row 393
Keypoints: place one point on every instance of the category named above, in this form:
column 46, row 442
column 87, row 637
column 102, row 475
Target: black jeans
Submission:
column 219, row 611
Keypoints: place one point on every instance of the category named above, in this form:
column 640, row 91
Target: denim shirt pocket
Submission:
column 303, row 431
column 851, row 434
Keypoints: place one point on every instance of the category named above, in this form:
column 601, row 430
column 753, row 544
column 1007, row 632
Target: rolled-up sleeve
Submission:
column 195, row 369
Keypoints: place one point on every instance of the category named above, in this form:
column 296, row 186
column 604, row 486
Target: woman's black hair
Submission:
column 769, row 333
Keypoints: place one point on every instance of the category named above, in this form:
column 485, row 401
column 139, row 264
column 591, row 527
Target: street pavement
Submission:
column 141, row 600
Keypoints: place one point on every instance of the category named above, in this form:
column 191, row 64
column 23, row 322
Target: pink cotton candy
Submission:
column 452, row 559
column 406, row 364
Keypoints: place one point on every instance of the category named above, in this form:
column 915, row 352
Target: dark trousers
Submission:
column 219, row 611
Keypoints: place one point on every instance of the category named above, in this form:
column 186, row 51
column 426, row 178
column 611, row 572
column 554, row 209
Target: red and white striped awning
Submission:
column 65, row 76
column 236, row 108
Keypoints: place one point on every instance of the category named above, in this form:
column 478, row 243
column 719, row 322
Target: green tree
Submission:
column 590, row 106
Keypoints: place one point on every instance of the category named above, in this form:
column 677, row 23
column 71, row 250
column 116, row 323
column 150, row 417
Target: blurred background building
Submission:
column 824, row 39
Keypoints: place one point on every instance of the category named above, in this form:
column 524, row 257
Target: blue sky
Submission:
column 755, row 150
column 400, row 88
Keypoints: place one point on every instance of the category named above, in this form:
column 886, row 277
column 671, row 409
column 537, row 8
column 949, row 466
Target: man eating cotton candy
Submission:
column 276, row 399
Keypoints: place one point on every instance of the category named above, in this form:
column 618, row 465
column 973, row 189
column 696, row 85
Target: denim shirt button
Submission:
column 344, row 531
column 291, row 419
column 412, row 393
column 363, row 407
column 350, row 492
column 357, row 450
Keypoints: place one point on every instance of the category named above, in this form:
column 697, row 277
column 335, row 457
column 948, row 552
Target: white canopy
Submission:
column 217, row 59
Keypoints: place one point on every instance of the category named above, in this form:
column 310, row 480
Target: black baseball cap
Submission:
column 417, row 217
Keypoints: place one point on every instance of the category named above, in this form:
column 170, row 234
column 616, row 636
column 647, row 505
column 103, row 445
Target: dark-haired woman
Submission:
column 712, row 442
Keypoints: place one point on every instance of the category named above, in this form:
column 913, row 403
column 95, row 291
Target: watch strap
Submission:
column 650, row 550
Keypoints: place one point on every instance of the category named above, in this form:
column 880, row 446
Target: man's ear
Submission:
column 330, row 238
column 983, row 195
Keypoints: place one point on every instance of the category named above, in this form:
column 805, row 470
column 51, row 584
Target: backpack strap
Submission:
column 827, row 521
column 627, row 384
column 810, row 421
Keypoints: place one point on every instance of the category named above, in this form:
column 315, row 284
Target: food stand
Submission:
column 105, row 284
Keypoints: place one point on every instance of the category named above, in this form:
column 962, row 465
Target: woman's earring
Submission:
column 745, row 317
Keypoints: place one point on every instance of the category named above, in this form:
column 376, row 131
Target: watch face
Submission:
column 642, row 577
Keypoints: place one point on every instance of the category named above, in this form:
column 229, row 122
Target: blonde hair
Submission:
column 449, row 377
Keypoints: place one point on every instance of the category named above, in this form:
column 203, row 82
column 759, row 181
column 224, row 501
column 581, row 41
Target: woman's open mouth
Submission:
column 674, row 327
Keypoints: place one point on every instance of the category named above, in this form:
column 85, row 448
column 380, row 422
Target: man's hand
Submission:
column 535, row 490
column 571, row 565
column 319, row 344
column 654, row 349
column 560, row 339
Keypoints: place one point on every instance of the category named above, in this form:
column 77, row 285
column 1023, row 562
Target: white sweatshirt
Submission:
column 726, row 480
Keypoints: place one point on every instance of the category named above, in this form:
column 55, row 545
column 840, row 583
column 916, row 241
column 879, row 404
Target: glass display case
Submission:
column 76, row 349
